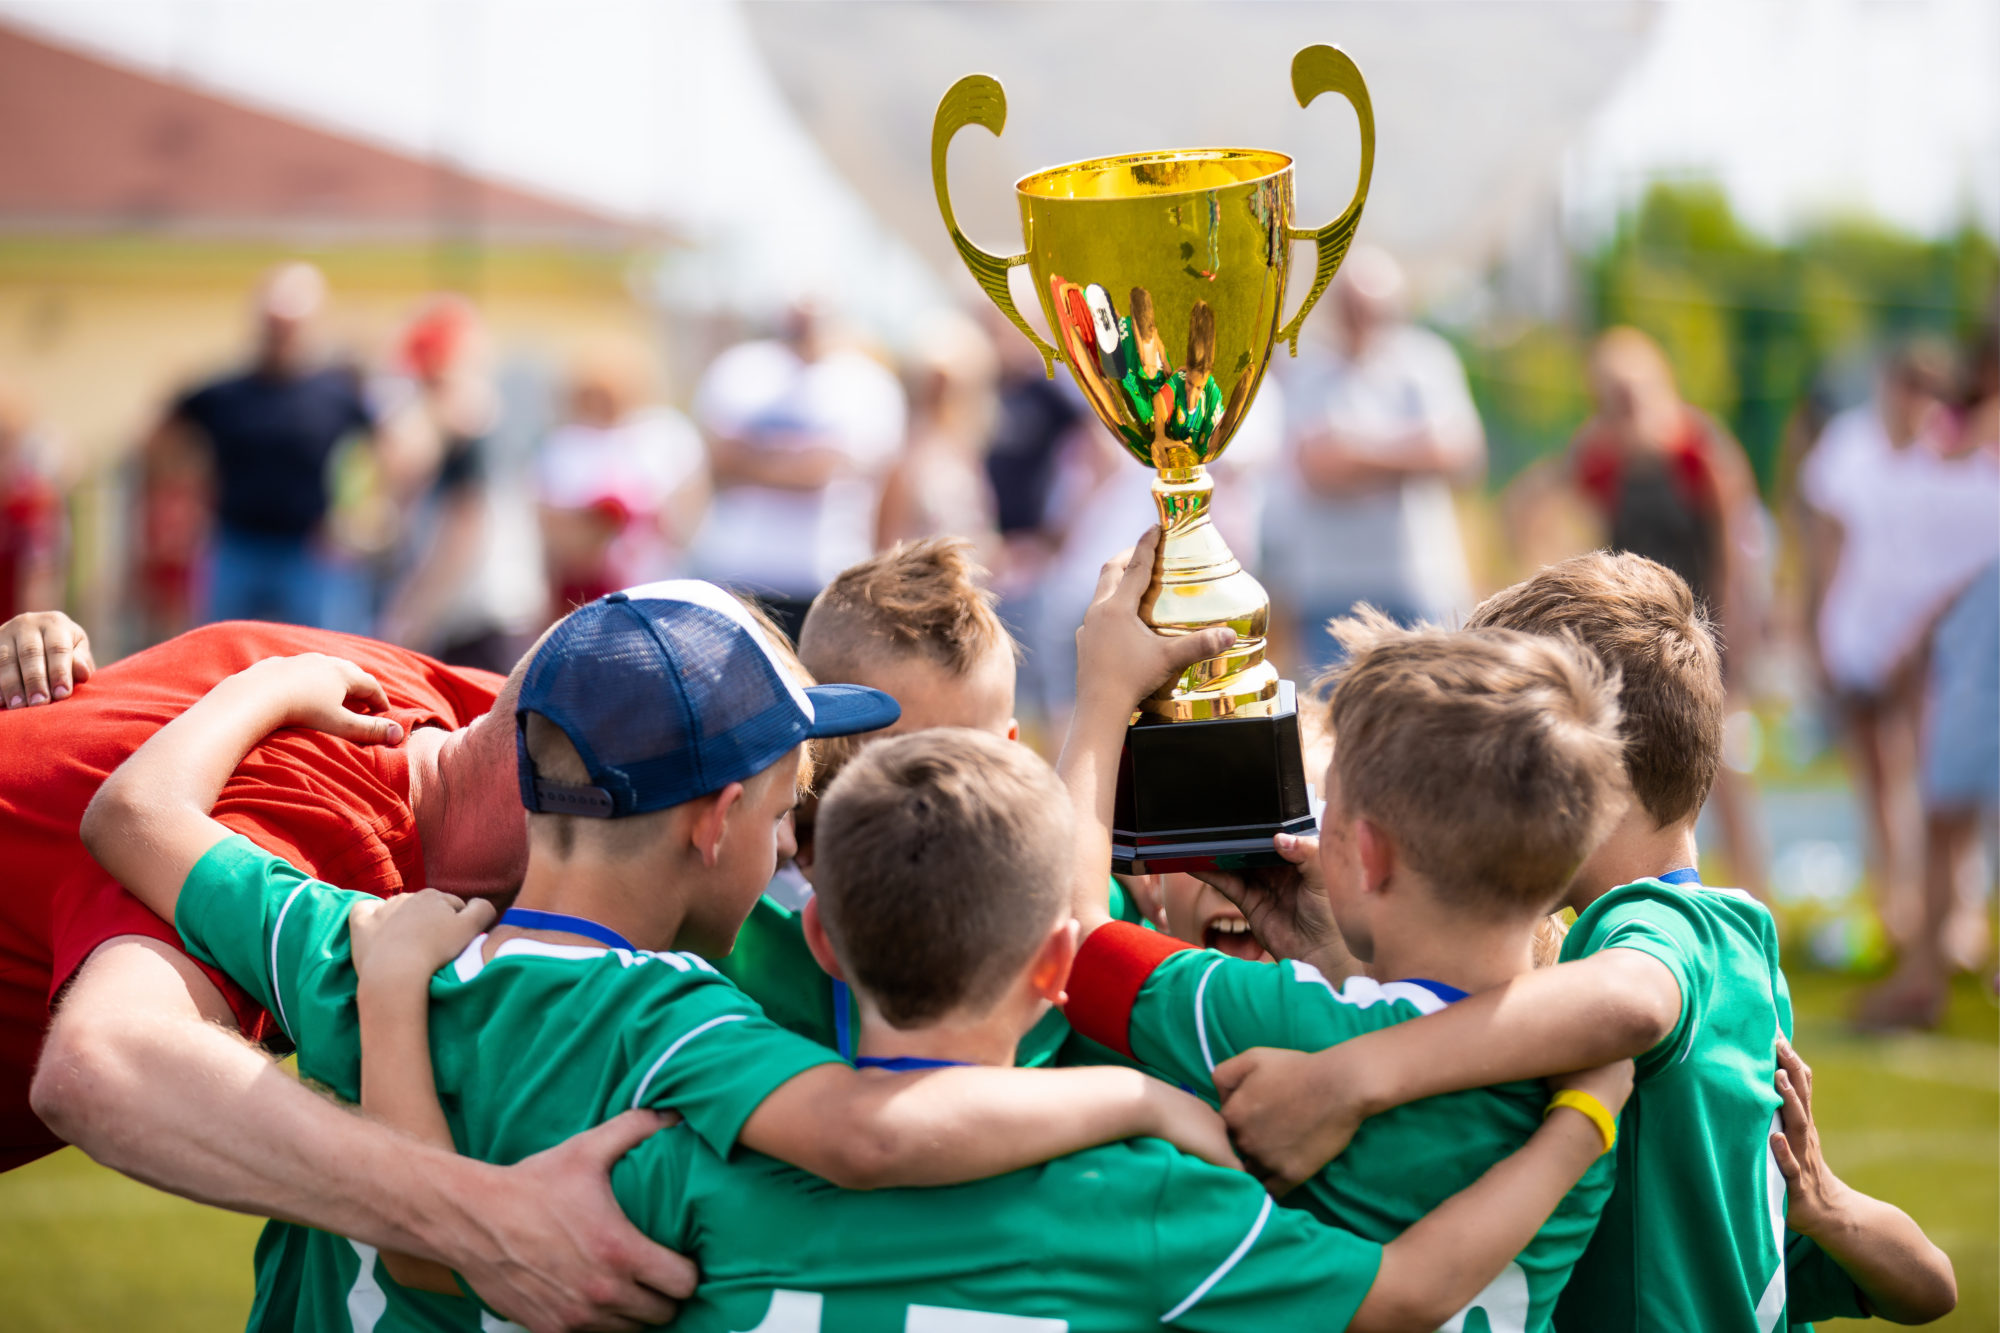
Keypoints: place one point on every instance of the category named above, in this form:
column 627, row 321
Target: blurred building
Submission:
column 136, row 214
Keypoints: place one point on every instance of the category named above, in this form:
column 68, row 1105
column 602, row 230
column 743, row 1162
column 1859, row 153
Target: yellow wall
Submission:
column 99, row 332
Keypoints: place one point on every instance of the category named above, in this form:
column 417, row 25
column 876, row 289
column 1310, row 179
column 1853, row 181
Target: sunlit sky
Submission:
column 665, row 111
column 1805, row 107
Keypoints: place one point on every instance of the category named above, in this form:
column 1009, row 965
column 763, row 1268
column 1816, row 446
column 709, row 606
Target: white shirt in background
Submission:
column 637, row 466
column 791, row 543
column 1916, row 527
column 1400, row 544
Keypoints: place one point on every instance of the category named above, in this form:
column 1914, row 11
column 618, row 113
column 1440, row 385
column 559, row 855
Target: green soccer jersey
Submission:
column 1183, row 1011
column 775, row 968
column 1128, row 1236
column 1694, row 1235
column 534, row 1045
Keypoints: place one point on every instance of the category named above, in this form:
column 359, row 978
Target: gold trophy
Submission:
column 1136, row 260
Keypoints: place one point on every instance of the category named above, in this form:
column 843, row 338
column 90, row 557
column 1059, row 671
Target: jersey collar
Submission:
column 1448, row 994
column 1690, row 875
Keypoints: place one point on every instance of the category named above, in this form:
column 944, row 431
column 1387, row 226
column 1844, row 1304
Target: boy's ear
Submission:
column 1378, row 854
column 711, row 821
column 817, row 941
column 1049, row 972
column 1149, row 892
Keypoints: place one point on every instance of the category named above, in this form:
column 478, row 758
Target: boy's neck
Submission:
column 1637, row 849
column 988, row 1040
column 1472, row 956
column 625, row 896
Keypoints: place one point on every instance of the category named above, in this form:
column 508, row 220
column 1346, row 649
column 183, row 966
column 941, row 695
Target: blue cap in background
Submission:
column 670, row 691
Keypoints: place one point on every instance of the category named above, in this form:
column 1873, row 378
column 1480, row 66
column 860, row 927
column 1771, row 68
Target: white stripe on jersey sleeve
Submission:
column 639, row 1095
column 1235, row 1258
column 1200, row 1019
column 276, row 931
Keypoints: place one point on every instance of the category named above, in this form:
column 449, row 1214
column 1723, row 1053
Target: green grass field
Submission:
column 1912, row 1119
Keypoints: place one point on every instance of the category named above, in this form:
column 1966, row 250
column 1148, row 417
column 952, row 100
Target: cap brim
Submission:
column 845, row 710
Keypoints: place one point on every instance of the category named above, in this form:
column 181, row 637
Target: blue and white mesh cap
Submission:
column 671, row 691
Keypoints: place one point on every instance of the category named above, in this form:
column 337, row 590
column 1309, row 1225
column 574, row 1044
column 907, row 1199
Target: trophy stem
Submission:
column 1197, row 584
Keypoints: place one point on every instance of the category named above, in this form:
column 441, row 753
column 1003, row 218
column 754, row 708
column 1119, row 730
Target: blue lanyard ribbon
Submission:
column 903, row 1064
column 1687, row 876
column 527, row 918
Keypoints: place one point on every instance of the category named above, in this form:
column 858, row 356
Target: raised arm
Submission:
column 149, row 823
column 1119, row 661
column 1902, row 1276
column 1434, row 1269
column 1290, row 1113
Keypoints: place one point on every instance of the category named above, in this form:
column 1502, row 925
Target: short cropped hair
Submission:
column 924, row 599
column 942, row 864
column 1492, row 758
column 1644, row 622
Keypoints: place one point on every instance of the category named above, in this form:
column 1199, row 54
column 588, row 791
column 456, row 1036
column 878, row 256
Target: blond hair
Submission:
column 1643, row 621
column 924, row 600
column 941, row 866
column 1492, row 758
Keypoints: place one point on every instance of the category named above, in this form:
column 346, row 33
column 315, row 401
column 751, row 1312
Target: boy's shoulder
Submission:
column 1181, row 1011
column 1710, row 915
column 1719, row 944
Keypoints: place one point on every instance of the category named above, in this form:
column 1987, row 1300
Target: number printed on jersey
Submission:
column 801, row 1311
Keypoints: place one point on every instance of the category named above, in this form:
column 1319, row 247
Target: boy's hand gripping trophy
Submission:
column 1138, row 259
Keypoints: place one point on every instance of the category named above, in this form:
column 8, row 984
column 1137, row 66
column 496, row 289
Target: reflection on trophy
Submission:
column 1162, row 276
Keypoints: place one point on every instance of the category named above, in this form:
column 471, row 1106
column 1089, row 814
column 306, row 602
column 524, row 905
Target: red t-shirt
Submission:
column 338, row 811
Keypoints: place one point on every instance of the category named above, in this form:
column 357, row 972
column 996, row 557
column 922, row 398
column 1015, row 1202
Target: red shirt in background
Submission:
column 338, row 811
column 30, row 526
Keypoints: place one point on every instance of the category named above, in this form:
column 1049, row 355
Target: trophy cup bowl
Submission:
column 1163, row 278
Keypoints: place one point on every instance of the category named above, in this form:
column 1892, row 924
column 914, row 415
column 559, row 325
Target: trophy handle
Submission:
column 977, row 99
column 1316, row 70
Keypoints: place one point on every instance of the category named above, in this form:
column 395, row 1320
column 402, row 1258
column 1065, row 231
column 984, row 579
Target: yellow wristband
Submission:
column 1576, row 1099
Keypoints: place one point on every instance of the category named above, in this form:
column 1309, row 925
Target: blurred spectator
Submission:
column 462, row 596
column 1960, row 763
column 31, row 516
column 620, row 486
column 938, row 488
column 1660, row 478
column 799, row 434
column 267, row 439
column 269, row 435
column 1382, row 425
column 1899, row 528
column 1036, row 420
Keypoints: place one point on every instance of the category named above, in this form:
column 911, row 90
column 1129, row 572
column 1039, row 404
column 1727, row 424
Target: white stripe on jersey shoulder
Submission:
column 639, row 1093
column 1235, row 1258
column 277, row 931
column 472, row 961
column 1200, row 1022
column 1362, row 991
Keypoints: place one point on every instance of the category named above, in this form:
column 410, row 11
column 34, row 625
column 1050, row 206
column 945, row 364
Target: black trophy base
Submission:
column 1210, row 795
